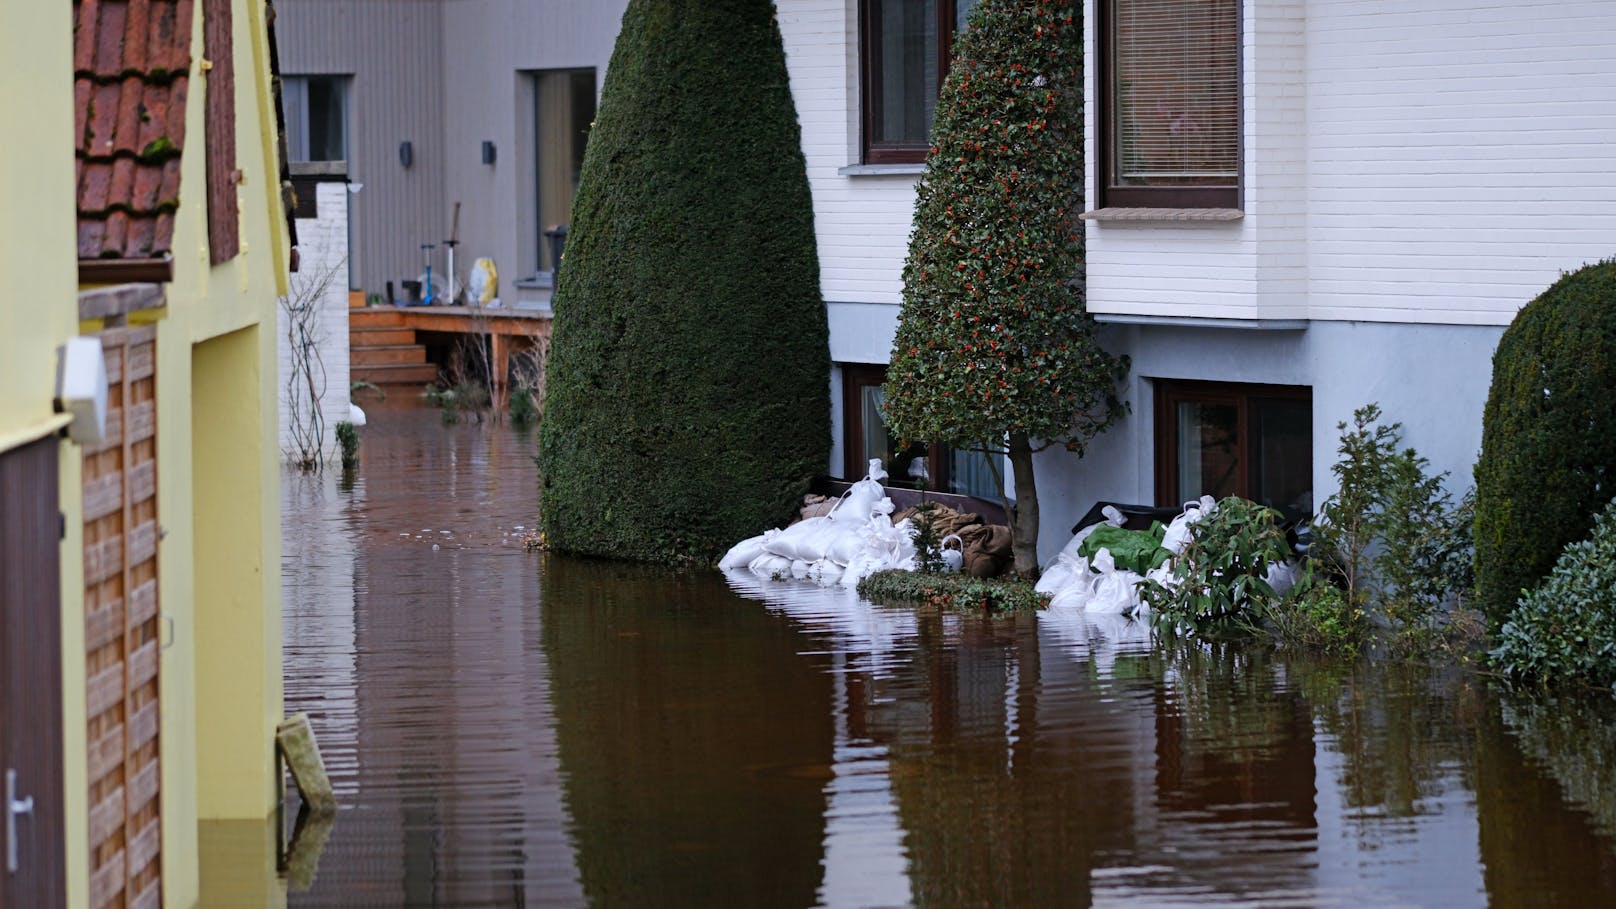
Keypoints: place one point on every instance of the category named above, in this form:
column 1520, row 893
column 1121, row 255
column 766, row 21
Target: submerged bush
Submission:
column 1564, row 631
column 687, row 401
column 1220, row 579
column 1548, row 448
column 954, row 591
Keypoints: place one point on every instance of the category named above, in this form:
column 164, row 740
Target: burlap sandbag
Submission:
column 987, row 549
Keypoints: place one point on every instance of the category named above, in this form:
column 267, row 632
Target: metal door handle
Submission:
column 14, row 807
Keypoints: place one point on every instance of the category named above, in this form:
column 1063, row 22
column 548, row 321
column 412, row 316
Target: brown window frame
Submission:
column 856, row 377
column 1114, row 196
column 870, row 65
column 1169, row 393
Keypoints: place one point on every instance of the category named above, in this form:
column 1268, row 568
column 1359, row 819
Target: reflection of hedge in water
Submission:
column 989, row 823
column 1402, row 729
column 694, row 741
column 1536, row 852
column 1576, row 743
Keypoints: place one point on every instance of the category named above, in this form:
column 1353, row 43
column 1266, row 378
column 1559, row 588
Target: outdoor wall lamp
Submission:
column 406, row 153
column 488, row 152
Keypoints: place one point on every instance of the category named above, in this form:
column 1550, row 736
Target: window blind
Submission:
column 1175, row 92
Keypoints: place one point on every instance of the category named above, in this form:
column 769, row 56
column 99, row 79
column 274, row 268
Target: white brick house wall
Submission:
column 323, row 253
column 1424, row 161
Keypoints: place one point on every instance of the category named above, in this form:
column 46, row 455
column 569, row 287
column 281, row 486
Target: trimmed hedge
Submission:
column 953, row 591
column 1548, row 450
column 688, row 375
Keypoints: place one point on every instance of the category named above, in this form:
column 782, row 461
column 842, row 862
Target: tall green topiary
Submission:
column 1548, row 447
column 995, row 351
column 687, row 401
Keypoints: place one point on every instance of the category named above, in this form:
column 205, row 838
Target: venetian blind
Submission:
column 1175, row 91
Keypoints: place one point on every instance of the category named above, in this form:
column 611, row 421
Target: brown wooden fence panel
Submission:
column 123, row 630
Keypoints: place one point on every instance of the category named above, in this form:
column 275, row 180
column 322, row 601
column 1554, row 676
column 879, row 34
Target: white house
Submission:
column 1296, row 207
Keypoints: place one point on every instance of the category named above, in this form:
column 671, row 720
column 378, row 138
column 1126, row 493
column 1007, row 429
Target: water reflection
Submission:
column 510, row 730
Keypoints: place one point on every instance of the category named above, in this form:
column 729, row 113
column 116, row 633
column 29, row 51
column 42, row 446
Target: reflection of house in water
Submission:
column 427, row 681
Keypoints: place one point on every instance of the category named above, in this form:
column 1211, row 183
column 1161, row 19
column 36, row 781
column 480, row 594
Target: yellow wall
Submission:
column 38, row 311
column 220, row 556
column 220, row 497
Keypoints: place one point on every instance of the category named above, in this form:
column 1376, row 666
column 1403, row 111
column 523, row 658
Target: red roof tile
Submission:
column 131, row 62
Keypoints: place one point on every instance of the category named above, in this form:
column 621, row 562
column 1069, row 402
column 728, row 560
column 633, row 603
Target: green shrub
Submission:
column 1548, row 448
column 952, row 591
column 994, row 349
column 523, row 405
column 1387, row 534
column 687, row 402
column 1319, row 617
column 348, row 439
column 1221, row 576
column 1565, row 630
column 457, row 400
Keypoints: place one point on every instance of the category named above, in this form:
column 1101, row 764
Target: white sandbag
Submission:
column 1282, row 576
column 1074, row 596
column 862, row 498
column 799, row 569
column 1067, row 570
column 805, row 540
column 741, row 554
column 1115, row 593
column 825, row 573
column 1178, row 532
column 770, row 566
column 1113, row 518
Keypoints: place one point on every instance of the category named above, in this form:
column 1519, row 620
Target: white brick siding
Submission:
column 323, row 252
column 862, row 222
column 1419, row 161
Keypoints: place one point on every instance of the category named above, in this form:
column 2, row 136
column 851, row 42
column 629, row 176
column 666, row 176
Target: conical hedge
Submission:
column 994, row 347
column 687, row 386
column 1548, row 443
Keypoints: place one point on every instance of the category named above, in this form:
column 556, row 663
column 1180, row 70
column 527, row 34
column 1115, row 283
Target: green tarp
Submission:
column 1135, row 550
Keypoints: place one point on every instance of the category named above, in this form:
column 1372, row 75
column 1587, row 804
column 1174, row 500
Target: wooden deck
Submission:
column 385, row 347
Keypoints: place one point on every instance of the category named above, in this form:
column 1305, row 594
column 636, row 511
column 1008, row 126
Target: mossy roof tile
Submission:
column 131, row 61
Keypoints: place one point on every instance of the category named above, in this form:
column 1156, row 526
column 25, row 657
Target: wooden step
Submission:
column 395, row 374
column 389, row 354
column 379, row 337
column 374, row 317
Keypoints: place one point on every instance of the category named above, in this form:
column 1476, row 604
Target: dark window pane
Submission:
column 327, row 133
column 1283, row 467
column 1208, row 449
column 970, row 474
column 904, row 71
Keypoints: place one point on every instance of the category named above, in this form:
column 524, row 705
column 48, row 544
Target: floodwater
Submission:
column 509, row 729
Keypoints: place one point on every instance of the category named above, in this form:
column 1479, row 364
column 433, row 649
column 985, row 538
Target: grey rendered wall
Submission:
column 1431, row 378
column 393, row 49
column 446, row 75
column 490, row 47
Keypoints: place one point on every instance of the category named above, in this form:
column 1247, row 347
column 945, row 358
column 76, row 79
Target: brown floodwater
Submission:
column 510, row 729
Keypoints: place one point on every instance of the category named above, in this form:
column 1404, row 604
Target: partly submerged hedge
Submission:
column 1564, row 631
column 688, row 376
column 956, row 591
column 1548, row 450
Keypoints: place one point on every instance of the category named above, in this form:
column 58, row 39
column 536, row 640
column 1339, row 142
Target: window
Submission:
column 316, row 117
column 1170, row 101
column 1254, row 441
column 905, row 55
column 866, row 438
column 564, row 108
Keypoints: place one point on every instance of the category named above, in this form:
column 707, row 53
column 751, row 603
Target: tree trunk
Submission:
column 1024, row 522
